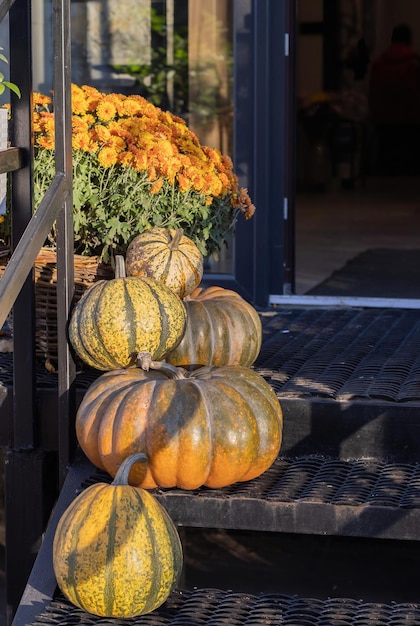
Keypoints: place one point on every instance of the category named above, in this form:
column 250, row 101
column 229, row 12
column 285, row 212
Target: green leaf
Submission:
column 13, row 88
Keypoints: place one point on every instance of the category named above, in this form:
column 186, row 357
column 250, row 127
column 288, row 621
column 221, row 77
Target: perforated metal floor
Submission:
column 337, row 353
column 311, row 495
column 210, row 607
column 342, row 354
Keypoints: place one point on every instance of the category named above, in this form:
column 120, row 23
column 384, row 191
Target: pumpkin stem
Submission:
column 173, row 245
column 120, row 266
column 121, row 477
column 144, row 360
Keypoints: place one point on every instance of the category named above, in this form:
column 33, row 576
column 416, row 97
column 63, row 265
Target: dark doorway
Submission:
column 346, row 205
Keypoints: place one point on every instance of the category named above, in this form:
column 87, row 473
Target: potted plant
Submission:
column 136, row 166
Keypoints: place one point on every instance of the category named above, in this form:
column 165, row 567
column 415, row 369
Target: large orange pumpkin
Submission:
column 213, row 426
column 222, row 329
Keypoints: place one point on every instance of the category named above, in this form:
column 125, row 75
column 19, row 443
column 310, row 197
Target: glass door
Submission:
column 227, row 70
column 222, row 66
column 244, row 48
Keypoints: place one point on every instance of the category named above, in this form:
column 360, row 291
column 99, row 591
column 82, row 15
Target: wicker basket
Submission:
column 87, row 271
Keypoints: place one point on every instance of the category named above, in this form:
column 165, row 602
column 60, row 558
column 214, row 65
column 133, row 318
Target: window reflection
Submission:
column 190, row 72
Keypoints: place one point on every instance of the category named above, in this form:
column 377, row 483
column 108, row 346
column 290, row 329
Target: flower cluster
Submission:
column 136, row 166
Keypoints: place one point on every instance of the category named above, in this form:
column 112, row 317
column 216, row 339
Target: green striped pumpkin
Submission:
column 222, row 329
column 167, row 255
column 116, row 552
column 118, row 318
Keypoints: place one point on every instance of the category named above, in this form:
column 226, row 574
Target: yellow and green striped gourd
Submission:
column 116, row 551
column 118, row 318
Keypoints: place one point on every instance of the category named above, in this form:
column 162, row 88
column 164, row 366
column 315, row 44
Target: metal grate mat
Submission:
column 339, row 354
column 342, row 354
column 312, row 495
column 212, row 607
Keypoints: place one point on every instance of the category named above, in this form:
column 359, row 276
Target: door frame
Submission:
column 284, row 294
column 263, row 155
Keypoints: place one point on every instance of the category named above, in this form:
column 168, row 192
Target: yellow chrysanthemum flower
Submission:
column 91, row 92
column 106, row 111
column 130, row 107
column 89, row 119
column 107, row 157
column 81, row 141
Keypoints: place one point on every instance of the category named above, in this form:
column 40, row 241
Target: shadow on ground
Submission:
column 308, row 566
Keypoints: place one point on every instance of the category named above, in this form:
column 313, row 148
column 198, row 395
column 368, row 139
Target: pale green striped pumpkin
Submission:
column 118, row 318
column 116, row 552
column 167, row 255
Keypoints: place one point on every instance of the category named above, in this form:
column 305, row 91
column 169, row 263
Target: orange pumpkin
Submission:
column 214, row 426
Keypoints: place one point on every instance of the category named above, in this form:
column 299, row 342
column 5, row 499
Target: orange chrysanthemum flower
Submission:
column 184, row 183
column 126, row 159
column 107, row 157
column 79, row 125
column 46, row 142
column 117, row 143
column 119, row 131
column 156, row 187
column 46, row 121
column 40, row 100
column 140, row 159
column 106, row 111
column 152, row 174
column 102, row 133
